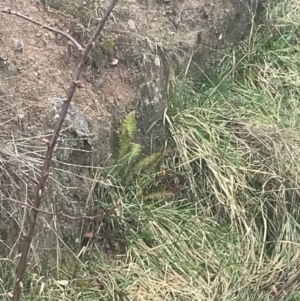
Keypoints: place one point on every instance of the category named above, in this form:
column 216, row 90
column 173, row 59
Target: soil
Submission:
column 40, row 71
column 42, row 62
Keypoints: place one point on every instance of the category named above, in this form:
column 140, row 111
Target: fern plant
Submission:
column 134, row 179
column 137, row 173
column 128, row 150
column 127, row 134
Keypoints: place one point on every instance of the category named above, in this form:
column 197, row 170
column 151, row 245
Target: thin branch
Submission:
column 62, row 214
column 45, row 172
column 10, row 12
column 286, row 286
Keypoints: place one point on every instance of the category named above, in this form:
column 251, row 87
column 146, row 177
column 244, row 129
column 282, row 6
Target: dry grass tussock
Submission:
column 234, row 231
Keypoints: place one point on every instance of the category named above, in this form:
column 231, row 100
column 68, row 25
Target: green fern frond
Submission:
column 135, row 151
column 160, row 195
column 149, row 163
column 124, row 166
column 129, row 125
column 127, row 133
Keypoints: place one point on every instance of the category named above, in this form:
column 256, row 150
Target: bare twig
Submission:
column 286, row 286
column 10, row 12
column 62, row 214
column 27, row 238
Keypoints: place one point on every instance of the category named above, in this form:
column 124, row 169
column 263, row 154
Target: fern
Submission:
column 123, row 166
column 129, row 159
column 130, row 170
column 127, row 134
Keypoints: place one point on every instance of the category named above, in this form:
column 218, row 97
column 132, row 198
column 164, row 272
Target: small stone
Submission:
column 131, row 25
column 110, row 99
column 19, row 46
column 4, row 62
column 114, row 62
column 39, row 34
column 99, row 83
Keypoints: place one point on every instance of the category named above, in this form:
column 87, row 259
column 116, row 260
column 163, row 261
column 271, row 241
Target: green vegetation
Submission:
column 229, row 227
column 144, row 177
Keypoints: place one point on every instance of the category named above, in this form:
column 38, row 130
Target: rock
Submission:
column 75, row 121
column 110, row 99
column 19, row 45
column 131, row 25
column 75, row 132
column 98, row 84
column 4, row 62
column 114, row 62
column 6, row 67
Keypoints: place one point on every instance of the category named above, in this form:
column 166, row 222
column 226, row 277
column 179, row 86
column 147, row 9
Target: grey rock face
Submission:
column 75, row 132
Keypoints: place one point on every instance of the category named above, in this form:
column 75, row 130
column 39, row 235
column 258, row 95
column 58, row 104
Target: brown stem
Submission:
column 10, row 12
column 287, row 285
column 15, row 296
